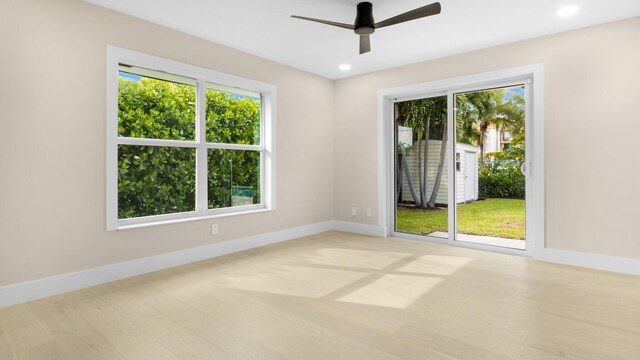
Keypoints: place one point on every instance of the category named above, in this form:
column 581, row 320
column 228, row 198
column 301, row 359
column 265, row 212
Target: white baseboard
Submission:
column 589, row 260
column 36, row 289
column 364, row 229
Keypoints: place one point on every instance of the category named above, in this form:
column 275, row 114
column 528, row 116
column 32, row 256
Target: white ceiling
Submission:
column 265, row 28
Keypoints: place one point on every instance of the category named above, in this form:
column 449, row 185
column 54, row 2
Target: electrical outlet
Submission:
column 214, row 229
column 369, row 212
column 354, row 211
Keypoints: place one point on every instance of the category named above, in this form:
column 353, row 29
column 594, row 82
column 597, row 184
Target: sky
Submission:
column 134, row 77
column 509, row 93
column 128, row 76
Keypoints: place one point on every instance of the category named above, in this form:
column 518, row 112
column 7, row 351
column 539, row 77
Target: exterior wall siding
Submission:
column 432, row 169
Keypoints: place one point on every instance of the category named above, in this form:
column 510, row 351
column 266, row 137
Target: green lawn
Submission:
column 491, row 217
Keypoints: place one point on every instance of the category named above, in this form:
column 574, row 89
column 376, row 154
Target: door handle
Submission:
column 524, row 168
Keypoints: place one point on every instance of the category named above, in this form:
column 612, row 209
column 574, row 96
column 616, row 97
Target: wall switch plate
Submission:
column 214, row 229
column 369, row 212
column 354, row 211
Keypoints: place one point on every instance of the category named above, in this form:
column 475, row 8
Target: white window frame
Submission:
column 116, row 56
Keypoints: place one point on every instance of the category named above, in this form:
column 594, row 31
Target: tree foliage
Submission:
column 156, row 180
column 155, row 109
column 500, row 175
column 501, row 179
column 478, row 111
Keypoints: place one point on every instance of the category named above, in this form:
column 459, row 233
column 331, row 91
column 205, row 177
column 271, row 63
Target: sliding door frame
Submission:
column 453, row 210
column 532, row 76
column 393, row 210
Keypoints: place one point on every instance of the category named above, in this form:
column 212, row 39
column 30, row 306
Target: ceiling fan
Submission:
column 364, row 24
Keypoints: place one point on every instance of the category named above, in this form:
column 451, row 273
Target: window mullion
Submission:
column 155, row 142
column 201, row 152
column 224, row 146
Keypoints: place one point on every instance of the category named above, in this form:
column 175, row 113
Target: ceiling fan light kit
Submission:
column 365, row 25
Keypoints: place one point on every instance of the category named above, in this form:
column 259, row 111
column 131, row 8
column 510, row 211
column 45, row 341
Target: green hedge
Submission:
column 501, row 179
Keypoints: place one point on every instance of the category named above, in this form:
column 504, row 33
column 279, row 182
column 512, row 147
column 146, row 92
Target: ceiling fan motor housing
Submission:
column 364, row 24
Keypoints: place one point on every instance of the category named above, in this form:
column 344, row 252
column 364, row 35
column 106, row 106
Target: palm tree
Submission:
column 476, row 112
column 427, row 118
column 443, row 151
column 514, row 109
column 437, row 110
column 414, row 116
column 403, row 167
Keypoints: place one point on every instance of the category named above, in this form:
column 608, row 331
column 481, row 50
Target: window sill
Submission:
column 194, row 217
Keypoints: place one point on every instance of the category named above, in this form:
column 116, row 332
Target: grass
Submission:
column 502, row 218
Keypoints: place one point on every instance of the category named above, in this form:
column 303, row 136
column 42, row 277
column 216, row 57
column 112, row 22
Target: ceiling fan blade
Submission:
column 365, row 44
column 327, row 22
column 428, row 10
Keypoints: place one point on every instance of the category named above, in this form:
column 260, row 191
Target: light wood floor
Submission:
column 339, row 296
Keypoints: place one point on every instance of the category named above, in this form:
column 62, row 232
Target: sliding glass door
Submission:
column 490, row 185
column 460, row 166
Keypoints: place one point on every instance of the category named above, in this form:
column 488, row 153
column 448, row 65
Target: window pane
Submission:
column 155, row 180
column 153, row 108
column 421, row 167
column 491, row 191
column 234, row 178
column 233, row 118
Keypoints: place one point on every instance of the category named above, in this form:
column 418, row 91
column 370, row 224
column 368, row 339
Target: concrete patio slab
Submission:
column 486, row 240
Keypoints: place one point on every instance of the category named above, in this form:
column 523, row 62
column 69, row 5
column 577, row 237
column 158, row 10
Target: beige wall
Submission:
column 592, row 122
column 52, row 145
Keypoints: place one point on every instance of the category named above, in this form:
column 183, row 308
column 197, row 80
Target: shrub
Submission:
column 501, row 179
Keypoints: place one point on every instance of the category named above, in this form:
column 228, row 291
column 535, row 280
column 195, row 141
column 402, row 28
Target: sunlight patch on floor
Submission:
column 435, row 265
column 296, row 281
column 378, row 278
column 396, row 291
column 351, row 258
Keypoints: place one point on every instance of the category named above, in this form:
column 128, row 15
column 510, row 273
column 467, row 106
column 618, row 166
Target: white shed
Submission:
column 466, row 172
